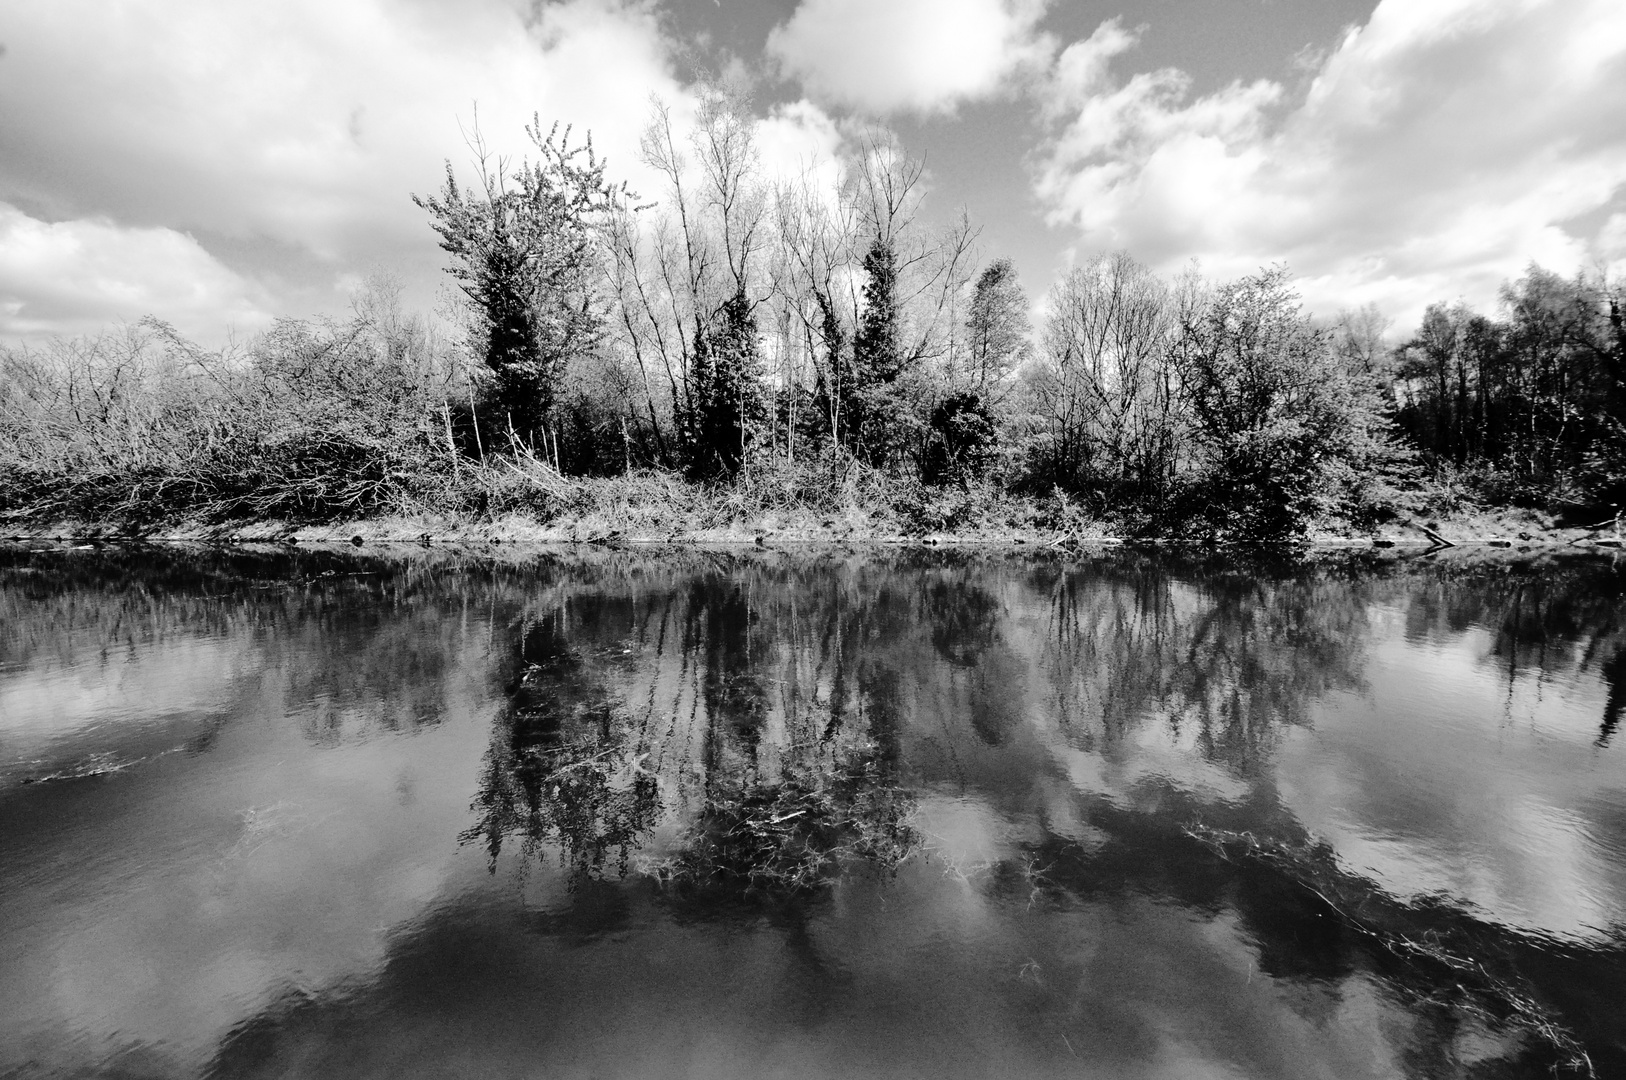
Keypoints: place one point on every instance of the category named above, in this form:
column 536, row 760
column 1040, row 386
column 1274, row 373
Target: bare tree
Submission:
column 1105, row 391
column 688, row 273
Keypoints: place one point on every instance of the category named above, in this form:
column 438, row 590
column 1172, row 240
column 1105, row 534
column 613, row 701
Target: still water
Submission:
column 844, row 814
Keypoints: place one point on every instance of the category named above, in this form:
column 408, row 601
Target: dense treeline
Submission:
column 814, row 341
column 1529, row 406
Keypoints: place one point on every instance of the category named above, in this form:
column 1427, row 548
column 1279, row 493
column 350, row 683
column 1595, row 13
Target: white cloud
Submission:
column 1612, row 245
column 1437, row 151
column 302, row 127
column 77, row 276
column 799, row 139
column 922, row 56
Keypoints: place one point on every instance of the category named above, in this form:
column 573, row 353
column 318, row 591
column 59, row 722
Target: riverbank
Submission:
column 665, row 524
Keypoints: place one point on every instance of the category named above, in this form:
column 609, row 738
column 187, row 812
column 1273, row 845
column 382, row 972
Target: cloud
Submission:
column 1437, row 150
column 77, row 276
column 300, row 128
column 1612, row 245
column 920, row 56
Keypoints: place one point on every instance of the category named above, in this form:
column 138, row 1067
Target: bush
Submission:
column 959, row 440
column 316, row 421
column 1283, row 432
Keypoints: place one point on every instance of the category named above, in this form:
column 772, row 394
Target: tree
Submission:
column 873, row 348
column 728, row 401
column 1532, row 402
column 959, row 440
column 1282, row 429
column 524, row 251
column 1436, row 340
column 998, row 330
column 869, row 394
column 1104, row 392
column 1358, row 338
column 688, row 281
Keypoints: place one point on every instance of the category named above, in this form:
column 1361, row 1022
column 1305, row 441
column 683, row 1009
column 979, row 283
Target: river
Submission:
column 835, row 813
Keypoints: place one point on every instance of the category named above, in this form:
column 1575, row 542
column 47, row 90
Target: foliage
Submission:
column 1533, row 401
column 960, row 440
column 997, row 329
column 813, row 348
column 1279, row 426
column 1205, row 411
column 1105, row 418
column 727, row 409
column 865, row 396
column 525, row 258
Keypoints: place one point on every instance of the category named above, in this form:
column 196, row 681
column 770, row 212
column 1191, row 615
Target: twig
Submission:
column 474, row 422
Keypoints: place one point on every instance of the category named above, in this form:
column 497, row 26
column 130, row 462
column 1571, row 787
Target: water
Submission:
column 690, row 814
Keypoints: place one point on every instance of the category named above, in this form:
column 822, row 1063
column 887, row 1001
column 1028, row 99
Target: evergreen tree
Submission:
column 726, row 378
column 871, row 407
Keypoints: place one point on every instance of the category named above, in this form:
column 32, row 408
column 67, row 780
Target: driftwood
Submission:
column 1436, row 537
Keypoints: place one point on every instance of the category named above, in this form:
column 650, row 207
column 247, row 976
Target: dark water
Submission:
column 277, row 813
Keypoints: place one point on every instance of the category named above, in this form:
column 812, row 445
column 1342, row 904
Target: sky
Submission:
column 221, row 165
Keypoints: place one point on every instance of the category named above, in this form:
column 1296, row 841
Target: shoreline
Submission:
column 1494, row 531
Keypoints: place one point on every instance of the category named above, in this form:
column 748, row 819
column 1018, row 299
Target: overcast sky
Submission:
column 218, row 164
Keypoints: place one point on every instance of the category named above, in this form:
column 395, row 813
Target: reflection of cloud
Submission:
column 919, row 975
column 291, row 895
column 1443, row 782
column 121, row 703
column 206, row 888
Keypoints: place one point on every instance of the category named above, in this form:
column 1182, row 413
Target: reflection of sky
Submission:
column 115, row 706
column 202, row 887
column 1448, row 776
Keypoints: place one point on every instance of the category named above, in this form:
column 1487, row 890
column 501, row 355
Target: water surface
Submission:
column 301, row 813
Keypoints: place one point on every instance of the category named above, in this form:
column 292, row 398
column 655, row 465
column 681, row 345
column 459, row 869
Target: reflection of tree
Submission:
column 1548, row 615
column 561, row 767
column 798, row 830
column 1614, row 674
column 746, row 711
column 353, row 644
column 1234, row 655
column 1552, row 615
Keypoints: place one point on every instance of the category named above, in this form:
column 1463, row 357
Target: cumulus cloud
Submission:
column 302, row 127
column 78, row 276
column 920, row 56
column 1437, row 150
